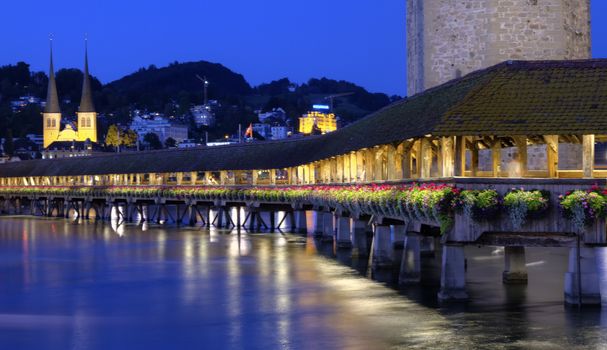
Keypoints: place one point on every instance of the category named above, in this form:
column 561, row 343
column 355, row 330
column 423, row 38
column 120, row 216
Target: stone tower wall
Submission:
column 450, row 38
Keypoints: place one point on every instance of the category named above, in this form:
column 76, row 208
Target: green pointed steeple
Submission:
column 86, row 102
column 52, row 99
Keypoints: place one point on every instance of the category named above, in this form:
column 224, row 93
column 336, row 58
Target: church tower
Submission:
column 87, row 117
column 51, row 117
column 450, row 38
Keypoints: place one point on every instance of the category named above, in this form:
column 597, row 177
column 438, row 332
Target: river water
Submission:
column 67, row 285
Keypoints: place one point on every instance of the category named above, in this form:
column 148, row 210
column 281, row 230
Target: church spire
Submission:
column 86, row 102
column 52, row 99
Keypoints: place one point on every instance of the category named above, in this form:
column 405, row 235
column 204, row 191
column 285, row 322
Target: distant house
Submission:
column 264, row 130
column 157, row 124
column 24, row 101
column 203, row 115
column 280, row 132
column 278, row 114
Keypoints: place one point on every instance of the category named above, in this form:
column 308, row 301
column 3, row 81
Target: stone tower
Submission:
column 87, row 117
column 450, row 38
column 51, row 117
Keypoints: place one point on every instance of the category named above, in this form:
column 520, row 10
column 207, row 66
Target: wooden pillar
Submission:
column 447, row 156
column 406, row 159
column 496, row 155
column 459, row 166
column 391, row 162
column 588, row 155
column 474, row 161
column 369, row 162
column 360, row 166
column 272, row 176
column 353, row 167
column 223, row 177
column 346, row 163
column 339, row 172
column 426, row 158
column 378, row 173
column 521, row 145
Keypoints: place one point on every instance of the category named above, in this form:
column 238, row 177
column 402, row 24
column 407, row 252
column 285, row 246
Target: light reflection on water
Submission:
column 95, row 286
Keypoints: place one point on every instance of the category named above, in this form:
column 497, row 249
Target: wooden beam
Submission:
column 391, row 162
column 447, row 156
column 496, row 156
column 588, row 155
column 369, row 165
column 426, row 158
column 460, row 156
column 404, row 154
column 521, row 145
column 474, row 162
column 552, row 154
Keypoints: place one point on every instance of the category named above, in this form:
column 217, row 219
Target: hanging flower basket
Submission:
column 523, row 205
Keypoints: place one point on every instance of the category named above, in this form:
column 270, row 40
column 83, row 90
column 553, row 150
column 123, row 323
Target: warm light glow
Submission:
column 325, row 122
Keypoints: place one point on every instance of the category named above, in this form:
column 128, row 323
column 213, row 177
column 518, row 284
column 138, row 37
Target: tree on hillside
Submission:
column 116, row 137
column 170, row 143
column 152, row 140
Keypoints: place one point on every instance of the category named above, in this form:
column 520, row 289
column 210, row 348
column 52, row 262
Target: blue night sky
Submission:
column 362, row 41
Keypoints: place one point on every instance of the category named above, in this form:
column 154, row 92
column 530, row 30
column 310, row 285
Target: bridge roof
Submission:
column 511, row 98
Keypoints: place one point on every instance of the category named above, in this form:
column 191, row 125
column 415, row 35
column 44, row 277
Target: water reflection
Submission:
column 112, row 286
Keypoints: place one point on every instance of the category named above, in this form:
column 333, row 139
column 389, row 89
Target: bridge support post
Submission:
column 583, row 275
column 192, row 218
column 427, row 246
column 410, row 268
column 343, row 233
column 252, row 214
column 382, row 247
column 65, row 209
column 360, row 243
column 87, row 210
column 318, row 223
column 301, row 222
column 219, row 217
column 328, row 228
column 130, row 208
column 453, row 274
column 399, row 232
column 515, row 270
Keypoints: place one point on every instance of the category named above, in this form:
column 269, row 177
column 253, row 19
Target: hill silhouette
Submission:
column 173, row 90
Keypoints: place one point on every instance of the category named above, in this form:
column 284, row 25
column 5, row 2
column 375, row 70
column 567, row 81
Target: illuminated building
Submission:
column 86, row 128
column 325, row 122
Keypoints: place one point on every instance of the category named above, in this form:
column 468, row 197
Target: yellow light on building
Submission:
column 325, row 122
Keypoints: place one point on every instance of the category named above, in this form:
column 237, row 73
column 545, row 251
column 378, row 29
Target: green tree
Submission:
column 113, row 136
column 116, row 137
column 152, row 140
column 129, row 138
column 170, row 142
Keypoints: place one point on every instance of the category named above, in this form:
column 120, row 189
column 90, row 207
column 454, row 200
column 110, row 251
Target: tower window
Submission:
column 48, row 122
column 53, row 123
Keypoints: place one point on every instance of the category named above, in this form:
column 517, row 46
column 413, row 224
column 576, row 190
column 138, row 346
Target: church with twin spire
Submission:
column 86, row 128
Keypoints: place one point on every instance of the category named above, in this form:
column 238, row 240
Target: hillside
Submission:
column 173, row 90
column 153, row 87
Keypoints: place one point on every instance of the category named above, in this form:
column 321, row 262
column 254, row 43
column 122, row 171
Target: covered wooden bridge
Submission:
column 541, row 124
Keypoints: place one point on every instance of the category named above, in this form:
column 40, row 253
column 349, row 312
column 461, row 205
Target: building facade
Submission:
column 447, row 39
column 160, row 126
